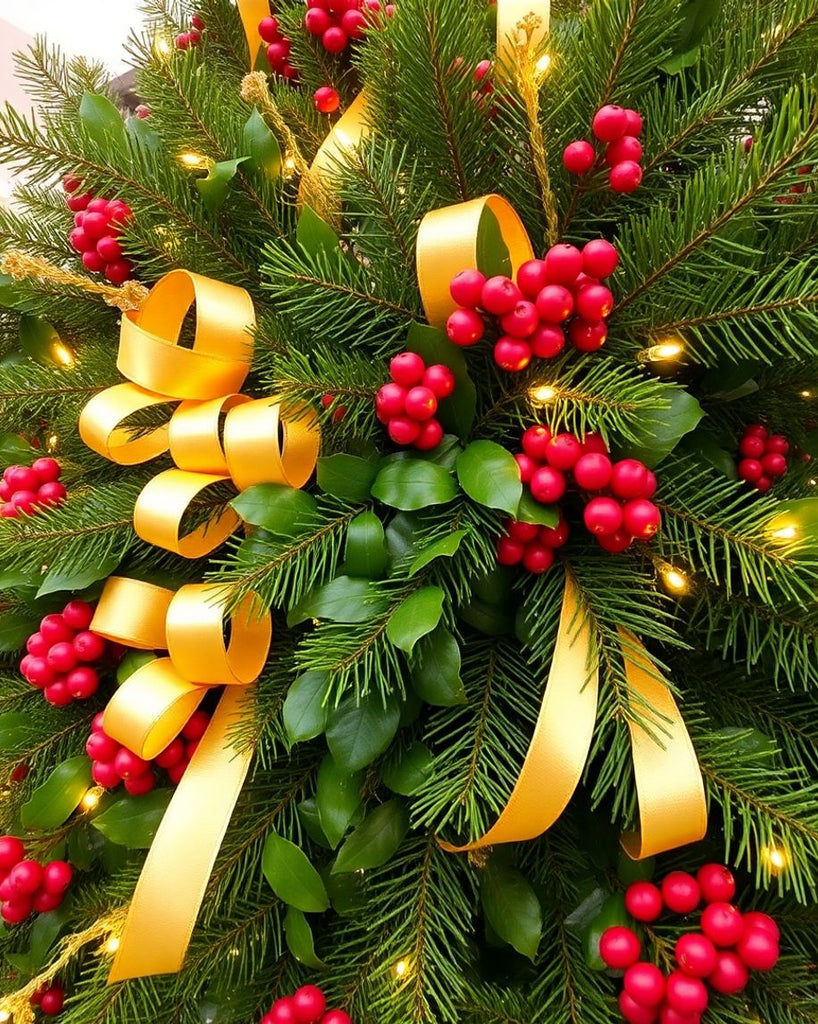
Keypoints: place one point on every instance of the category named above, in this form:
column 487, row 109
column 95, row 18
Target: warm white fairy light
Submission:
column 4, row 1016
column 193, row 161
column 91, row 798
column 62, row 354
column 162, row 46
column 112, row 945
column 776, row 858
column 674, row 580
column 788, row 532
column 661, row 352
column 51, row 442
column 401, row 968
column 540, row 394
column 543, row 64
column 806, row 394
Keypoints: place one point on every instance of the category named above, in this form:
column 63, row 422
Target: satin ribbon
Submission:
column 252, row 12
column 146, row 713
column 672, row 806
column 214, row 435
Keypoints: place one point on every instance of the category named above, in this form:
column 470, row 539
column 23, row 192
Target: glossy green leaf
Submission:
column 365, row 553
column 660, row 430
column 489, row 474
column 412, row 484
column 216, row 186
column 262, row 146
column 16, row 728
column 493, row 256
column 102, row 120
column 346, row 476
column 612, row 913
column 46, row 930
column 491, row 619
column 445, row 547
column 285, row 512
column 15, row 628
column 39, row 340
column 308, row 816
column 410, row 771
column 344, row 599
column 400, row 536
column 132, row 662
column 346, row 892
column 84, row 846
column 299, row 938
column 456, row 413
column 15, row 449
column 703, row 444
column 696, row 16
column 132, row 821
column 436, row 669
column 143, row 135
column 531, row 511
column 67, row 578
column 629, row 871
column 748, row 741
column 291, row 876
column 376, row 840
column 315, row 236
column 58, row 797
column 11, row 296
column 801, row 515
column 338, row 797
column 357, row 731
column 589, row 906
column 305, row 713
column 414, row 617
column 511, row 907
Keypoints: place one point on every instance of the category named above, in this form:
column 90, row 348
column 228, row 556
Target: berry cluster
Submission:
column 50, row 999
column 531, row 544
column 25, row 488
column 337, row 22
column 618, row 128
column 193, row 36
column 621, row 514
column 762, row 456
column 26, row 886
column 307, row 1005
column 61, row 653
column 97, row 224
column 111, row 763
column 278, row 48
column 564, row 286
column 729, row 945
column 338, row 412
column 326, row 100
column 408, row 405
column 485, row 85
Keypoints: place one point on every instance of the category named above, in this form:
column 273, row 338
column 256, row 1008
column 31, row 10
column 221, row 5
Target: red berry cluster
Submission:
column 485, row 85
column 621, row 514
column 26, row 488
column 729, row 945
column 797, row 189
column 564, row 286
column 326, row 100
column 61, row 653
column 531, row 544
column 307, row 1005
column 337, row 22
column 618, row 128
column 278, row 48
column 338, row 413
column 97, row 224
column 193, row 36
column 112, row 763
column 408, row 405
column 762, row 456
column 26, row 886
column 50, row 999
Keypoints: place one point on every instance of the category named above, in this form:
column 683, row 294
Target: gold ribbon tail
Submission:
column 251, row 12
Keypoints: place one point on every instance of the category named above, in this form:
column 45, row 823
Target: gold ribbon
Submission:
column 252, row 12
column 214, row 435
column 146, row 713
column 672, row 806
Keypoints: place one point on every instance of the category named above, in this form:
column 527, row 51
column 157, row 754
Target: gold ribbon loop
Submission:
column 252, row 12
column 162, row 504
column 132, row 612
column 195, row 434
column 346, row 133
column 262, row 445
column 100, row 425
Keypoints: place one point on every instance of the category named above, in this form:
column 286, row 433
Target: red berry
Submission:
column 353, row 23
column 105, row 774
column 578, row 157
column 594, row 444
column 466, row 288
column 78, row 203
column 547, row 341
column 118, row 272
column 643, row 901
column 12, row 852
column 716, row 883
column 532, row 278
column 482, row 69
column 430, row 435
column 601, row 516
column 57, row 693
column 57, row 875
column 403, row 430
column 140, row 784
column 407, row 369
column 389, row 402
column 38, row 672
column 626, row 148
column 52, row 493
column 509, row 551
column 336, row 1017
column 522, row 321
column 587, row 337
column 751, row 447
column 268, row 29
column 641, row 518
column 98, row 722
column 440, row 380
column 326, row 100
column 722, row 924
column 95, row 224
column 777, row 443
column 547, row 485
column 71, row 182
column 15, row 910
column 594, row 302
column 555, row 303
column 89, row 646
column 634, row 1012
column 82, row 682
column 619, row 947
column 563, row 264
column 420, row 403
column 610, row 123
column 78, row 614
column 696, row 955
column 753, row 920
column 555, row 536
column 45, row 901
column 629, row 478
column 37, row 646
column 599, row 258
column 197, row 21
column 52, row 1001
column 686, row 994
column 283, row 1012
column 730, row 975
column 334, row 39
column 101, row 747
column 512, row 354
column 764, row 483
column 526, row 465
column 499, row 295
column 309, row 1003
column 522, row 532
column 773, row 464
column 182, row 40
column 563, row 451
column 465, row 327
column 109, row 249
column 129, row 765
column 645, row 984
column 625, row 177
column 593, row 472
column 316, row 21
column 633, row 122
column 758, row 949
column 26, row 877
column 538, row 558
column 62, row 657
column 80, row 241
column 171, row 755
column 680, row 891
column 750, row 470
column 24, row 501
column 535, row 441
column 21, row 478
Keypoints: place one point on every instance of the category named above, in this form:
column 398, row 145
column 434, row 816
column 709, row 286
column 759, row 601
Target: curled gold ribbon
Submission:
column 252, row 12
column 146, row 713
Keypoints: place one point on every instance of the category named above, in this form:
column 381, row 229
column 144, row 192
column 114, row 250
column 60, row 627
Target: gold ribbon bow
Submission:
column 259, row 442
column 146, row 713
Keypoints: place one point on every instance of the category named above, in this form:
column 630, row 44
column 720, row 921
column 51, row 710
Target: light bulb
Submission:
column 112, row 945
column 806, row 394
column 785, row 533
column 4, row 1016
column 401, row 968
column 194, row 161
column 661, row 352
column 162, row 46
column 62, row 354
column 91, row 798
column 676, row 582
column 543, row 64
column 539, row 394
column 776, row 858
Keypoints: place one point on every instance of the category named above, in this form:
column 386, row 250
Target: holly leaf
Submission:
column 660, row 430
column 696, row 18
column 291, row 876
column 215, row 187
column 436, row 671
column 344, row 599
column 414, row 617
column 143, row 135
column 262, row 146
column 410, row 771
column 365, row 553
column 346, row 476
column 59, row 796
column 612, row 913
column 531, row 511
column 46, row 930
column 102, row 120
column 15, row 628
column 337, row 797
column 456, row 413
column 14, row 449
column 493, row 257
column 511, row 907
column 133, row 821
column 39, row 340
column 375, row 840
column 299, row 938
column 62, row 578
column 305, row 713
column 285, row 512
column 490, row 476
column 16, row 729
column 359, row 730
column 445, row 547
column 412, row 484
column 315, row 236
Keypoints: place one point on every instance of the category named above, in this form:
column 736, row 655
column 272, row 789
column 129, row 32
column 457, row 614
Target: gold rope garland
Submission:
column 21, row 266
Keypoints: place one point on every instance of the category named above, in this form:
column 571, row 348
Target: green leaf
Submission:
column 215, row 187
column 445, row 547
column 102, row 120
column 84, row 846
column 45, row 932
column 315, row 236
column 285, row 512
column 375, row 840
column 338, row 797
column 305, row 714
column 262, row 146
column 489, row 618
column 802, row 515
column 365, row 553
column 143, row 135
column 531, row 511
column 347, row 893
column 493, row 256
column 299, row 938
column 629, row 871
column 14, row 449
column 357, row 731
column 697, row 16
column 414, row 617
column 412, row 484
column 612, row 913
column 132, row 662
column 490, row 476
column 511, row 907
column 10, row 295
column 60, row 579
column 587, row 908
column 291, row 876
column 132, row 821
column 659, row 430
column 346, row 476
column 412, row 769
column 747, row 741
column 40, row 340
column 15, row 628
column 344, row 599
column 456, row 412
column 702, row 443
column 436, row 672
column 308, row 816
column 16, row 729
column 59, row 796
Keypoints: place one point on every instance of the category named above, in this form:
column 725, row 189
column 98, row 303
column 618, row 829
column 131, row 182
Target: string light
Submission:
column 401, row 969
column 112, row 945
column 193, row 161
column 91, row 798
column 674, row 580
column 162, row 47
column 4, row 1016
column 540, row 394
column 543, row 64
column 785, row 533
column 62, row 354
column 776, row 858
column 805, row 394
column 660, row 353
column 51, row 442
column 289, row 164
